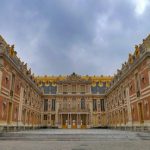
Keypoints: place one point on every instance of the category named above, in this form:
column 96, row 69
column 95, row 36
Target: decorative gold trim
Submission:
column 92, row 79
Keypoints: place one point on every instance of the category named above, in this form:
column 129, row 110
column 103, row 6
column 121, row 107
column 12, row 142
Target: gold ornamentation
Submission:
column 11, row 51
column 75, row 78
column 130, row 60
column 100, row 84
column 94, row 84
column 137, row 51
column 53, row 84
column 107, row 84
column 46, row 83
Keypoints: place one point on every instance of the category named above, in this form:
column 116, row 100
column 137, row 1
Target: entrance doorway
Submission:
column 74, row 121
column 64, row 121
column 83, row 121
column 9, row 118
column 140, row 108
column 53, row 120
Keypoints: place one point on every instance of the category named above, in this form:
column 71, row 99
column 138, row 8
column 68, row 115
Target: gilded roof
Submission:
column 73, row 78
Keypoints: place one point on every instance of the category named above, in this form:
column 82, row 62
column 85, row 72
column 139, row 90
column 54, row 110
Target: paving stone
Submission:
column 77, row 139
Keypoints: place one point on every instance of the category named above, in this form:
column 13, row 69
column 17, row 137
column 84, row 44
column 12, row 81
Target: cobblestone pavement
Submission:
column 75, row 139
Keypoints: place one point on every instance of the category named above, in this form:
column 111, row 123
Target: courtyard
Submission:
column 75, row 139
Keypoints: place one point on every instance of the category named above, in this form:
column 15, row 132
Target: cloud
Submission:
column 83, row 36
column 140, row 6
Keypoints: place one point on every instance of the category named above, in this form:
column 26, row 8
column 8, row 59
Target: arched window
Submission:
column 82, row 103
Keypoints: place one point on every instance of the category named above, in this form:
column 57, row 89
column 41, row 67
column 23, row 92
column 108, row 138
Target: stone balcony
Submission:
column 73, row 110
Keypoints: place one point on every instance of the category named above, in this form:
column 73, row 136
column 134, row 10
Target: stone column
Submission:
column 61, row 120
column 79, row 121
column 50, row 119
column 56, row 114
column 25, row 117
column 91, row 112
column 89, row 119
column 70, row 120
column 58, row 122
column 86, row 120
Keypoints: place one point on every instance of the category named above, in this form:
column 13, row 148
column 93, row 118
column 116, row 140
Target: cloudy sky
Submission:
column 84, row 36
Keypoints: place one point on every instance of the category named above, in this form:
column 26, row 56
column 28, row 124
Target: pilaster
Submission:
column 20, row 106
column 129, row 107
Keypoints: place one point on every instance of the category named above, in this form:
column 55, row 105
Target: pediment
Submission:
column 74, row 78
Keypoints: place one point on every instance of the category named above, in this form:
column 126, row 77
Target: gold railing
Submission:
column 73, row 110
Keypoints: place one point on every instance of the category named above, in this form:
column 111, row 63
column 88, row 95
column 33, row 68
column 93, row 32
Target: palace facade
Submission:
column 128, row 97
column 75, row 101
column 20, row 97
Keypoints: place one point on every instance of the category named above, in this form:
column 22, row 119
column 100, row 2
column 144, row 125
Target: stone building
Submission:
column 20, row 97
column 128, row 98
column 74, row 101
column 51, row 101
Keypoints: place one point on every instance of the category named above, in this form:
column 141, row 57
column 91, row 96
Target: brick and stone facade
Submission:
column 20, row 97
column 128, row 98
column 74, row 101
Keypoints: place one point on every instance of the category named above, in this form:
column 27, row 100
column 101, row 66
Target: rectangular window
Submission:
column 64, row 104
column 94, row 105
column 59, row 88
column 12, row 85
column 82, row 87
column 73, row 88
column 65, row 89
column 137, row 81
column 53, row 104
column 45, row 104
column 124, row 93
column 12, row 82
column 82, row 104
column 46, row 89
column 45, row 117
column 102, row 105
